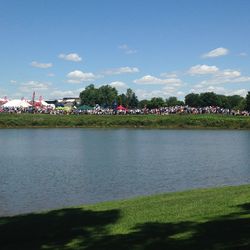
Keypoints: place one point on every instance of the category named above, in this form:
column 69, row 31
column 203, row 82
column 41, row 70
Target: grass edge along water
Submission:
column 214, row 218
column 206, row 121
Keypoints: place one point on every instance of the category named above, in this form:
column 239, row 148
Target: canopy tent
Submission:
column 40, row 103
column 85, row 107
column 3, row 100
column 121, row 108
column 16, row 104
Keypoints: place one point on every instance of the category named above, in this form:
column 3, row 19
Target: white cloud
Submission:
column 169, row 75
column 58, row 94
column 34, row 86
column 218, row 76
column 13, row 81
column 216, row 53
column 71, row 57
column 241, row 92
column 51, row 74
column 78, row 76
column 127, row 49
column 144, row 94
column 218, row 90
column 41, row 65
column 229, row 73
column 152, row 80
column 220, row 80
column 164, row 93
column 121, row 70
column 202, row 70
column 120, row 86
column 226, row 76
column 243, row 54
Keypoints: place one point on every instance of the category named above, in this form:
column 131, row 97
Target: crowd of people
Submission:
column 109, row 111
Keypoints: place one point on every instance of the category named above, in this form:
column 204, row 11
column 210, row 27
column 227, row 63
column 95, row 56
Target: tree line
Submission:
column 108, row 97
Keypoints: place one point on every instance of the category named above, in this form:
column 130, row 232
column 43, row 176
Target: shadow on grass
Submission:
column 90, row 231
column 55, row 229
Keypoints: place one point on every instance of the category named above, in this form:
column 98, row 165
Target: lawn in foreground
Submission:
column 216, row 218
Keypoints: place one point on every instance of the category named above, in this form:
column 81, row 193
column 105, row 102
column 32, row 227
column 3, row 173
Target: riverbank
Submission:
column 128, row 121
column 217, row 218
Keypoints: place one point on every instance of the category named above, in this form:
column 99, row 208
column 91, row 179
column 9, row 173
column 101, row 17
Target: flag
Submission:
column 33, row 96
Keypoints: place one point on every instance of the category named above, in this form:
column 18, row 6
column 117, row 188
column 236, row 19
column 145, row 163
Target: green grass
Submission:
column 131, row 121
column 217, row 218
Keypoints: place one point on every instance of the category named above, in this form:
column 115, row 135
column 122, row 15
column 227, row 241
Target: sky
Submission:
column 158, row 48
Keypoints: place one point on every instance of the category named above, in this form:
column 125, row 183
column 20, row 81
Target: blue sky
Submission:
column 156, row 47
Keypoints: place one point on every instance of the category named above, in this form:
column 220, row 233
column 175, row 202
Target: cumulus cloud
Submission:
column 41, row 65
column 202, row 70
column 220, row 80
column 152, row 80
column 121, row 70
column 218, row 76
column 120, row 86
column 70, row 57
column 78, row 76
column 164, row 93
column 58, row 94
column 226, row 76
column 216, row 53
column 230, row 73
column 34, row 86
column 127, row 49
column 218, row 90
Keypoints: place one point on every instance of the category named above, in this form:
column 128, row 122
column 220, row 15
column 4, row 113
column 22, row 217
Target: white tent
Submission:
column 16, row 104
column 3, row 100
column 44, row 103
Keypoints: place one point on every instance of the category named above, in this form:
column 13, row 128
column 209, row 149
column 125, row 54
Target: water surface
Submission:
column 42, row 169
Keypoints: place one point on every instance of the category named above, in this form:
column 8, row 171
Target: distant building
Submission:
column 52, row 102
column 66, row 102
column 71, row 101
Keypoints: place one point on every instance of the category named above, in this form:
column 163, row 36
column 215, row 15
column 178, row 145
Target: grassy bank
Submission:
column 201, row 219
column 144, row 121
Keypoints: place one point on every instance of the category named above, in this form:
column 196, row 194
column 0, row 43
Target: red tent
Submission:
column 120, row 107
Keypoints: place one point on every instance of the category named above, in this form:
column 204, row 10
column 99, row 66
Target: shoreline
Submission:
column 210, row 218
column 211, row 121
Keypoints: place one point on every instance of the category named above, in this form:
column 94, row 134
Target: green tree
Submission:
column 156, row 102
column 89, row 96
column 241, row 106
column 143, row 103
column 248, row 101
column 173, row 101
column 193, row 100
column 223, row 101
column 107, row 95
column 234, row 101
column 132, row 100
column 104, row 96
column 122, row 99
column 209, row 99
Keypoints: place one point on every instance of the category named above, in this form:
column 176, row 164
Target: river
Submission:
column 43, row 169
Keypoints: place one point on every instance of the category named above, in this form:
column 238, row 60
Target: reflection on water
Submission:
column 52, row 168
